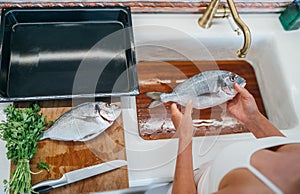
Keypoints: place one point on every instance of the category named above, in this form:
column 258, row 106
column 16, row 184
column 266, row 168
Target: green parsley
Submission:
column 21, row 131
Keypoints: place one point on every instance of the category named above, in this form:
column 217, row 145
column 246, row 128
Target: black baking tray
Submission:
column 61, row 53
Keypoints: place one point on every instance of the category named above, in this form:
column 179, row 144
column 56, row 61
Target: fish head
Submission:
column 108, row 111
column 228, row 80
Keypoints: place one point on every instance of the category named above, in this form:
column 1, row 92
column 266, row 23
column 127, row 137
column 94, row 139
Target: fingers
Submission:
column 186, row 124
column 174, row 109
column 176, row 115
column 176, row 112
column 188, row 108
column 237, row 87
column 241, row 90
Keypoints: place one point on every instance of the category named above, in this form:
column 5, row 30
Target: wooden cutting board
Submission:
column 155, row 123
column 65, row 156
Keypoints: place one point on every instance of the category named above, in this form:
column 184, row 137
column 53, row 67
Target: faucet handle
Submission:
column 224, row 12
column 234, row 26
column 206, row 20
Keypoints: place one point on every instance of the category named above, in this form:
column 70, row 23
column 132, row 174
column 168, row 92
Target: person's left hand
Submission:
column 183, row 122
column 176, row 115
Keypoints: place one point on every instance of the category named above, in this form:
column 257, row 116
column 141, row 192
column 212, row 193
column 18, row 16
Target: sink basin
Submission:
column 172, row 42
column 155, row 123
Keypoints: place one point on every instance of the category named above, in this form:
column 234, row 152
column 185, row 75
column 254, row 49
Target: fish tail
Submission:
column 156, row 100
column 44, row 137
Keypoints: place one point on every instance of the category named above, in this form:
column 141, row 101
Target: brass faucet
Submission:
column 206, row 20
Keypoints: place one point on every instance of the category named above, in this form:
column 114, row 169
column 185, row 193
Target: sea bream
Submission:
column 206, row 89
column 83, row 122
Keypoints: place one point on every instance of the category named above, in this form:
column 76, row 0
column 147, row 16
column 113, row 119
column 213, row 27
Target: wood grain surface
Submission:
column 155, row 123
column 65, row 156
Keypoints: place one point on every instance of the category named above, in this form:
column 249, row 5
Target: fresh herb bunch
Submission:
column 21, row 131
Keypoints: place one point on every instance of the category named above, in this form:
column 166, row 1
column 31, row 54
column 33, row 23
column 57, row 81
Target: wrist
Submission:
column 260, row 126
column 253, row 119
column 185, row 141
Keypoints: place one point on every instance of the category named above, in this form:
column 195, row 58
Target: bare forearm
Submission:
column 184, row 175
column 261, row 127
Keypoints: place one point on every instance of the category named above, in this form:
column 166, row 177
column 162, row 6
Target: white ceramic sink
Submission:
column 274, row 54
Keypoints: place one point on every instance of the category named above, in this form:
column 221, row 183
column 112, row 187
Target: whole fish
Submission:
column 206, row 89
column 83, row 122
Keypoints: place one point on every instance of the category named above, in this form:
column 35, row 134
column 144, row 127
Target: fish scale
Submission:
column 206, row 89
column 83, row 122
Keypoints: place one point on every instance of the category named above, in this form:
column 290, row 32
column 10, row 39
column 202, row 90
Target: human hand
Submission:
column 243, row 106
column 184, row 174
column 183, row 122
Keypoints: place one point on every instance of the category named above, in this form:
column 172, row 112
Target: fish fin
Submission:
column 156, row 100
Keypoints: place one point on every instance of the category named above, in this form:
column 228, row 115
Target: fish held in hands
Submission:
column 206, row 89
column 83, row 122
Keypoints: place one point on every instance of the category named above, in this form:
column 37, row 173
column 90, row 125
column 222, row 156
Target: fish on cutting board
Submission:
column 206, row 89
column 83, row 122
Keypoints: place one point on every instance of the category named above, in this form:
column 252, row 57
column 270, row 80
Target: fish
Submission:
column 83, row 122
column 206, row 89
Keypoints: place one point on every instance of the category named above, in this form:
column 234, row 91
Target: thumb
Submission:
column 176, row 115
column 188, row 108
column 241, row 90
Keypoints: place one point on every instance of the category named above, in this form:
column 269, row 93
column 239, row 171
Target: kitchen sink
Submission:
column 172, row 40
column 177, row 37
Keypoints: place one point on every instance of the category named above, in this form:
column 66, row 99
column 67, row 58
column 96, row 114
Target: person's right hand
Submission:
column 243, row 105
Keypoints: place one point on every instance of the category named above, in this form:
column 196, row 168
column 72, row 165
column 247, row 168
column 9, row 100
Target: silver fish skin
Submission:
column 206, row 89
column 83, row 122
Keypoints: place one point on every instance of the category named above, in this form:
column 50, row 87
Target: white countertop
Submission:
column 274, row 55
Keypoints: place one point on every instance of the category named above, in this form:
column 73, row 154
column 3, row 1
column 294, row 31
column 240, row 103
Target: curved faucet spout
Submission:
column 206, row 20
column 246, row 32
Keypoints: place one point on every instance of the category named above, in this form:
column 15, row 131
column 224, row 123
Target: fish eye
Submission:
column 232, row 78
